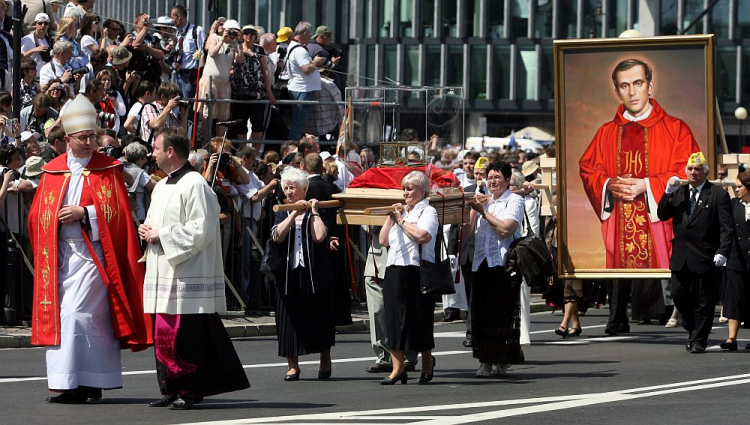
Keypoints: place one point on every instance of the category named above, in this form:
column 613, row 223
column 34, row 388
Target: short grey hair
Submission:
column 196, row 160
column 61, row 46
column 267, row 39
column 417, row 180
column 294, row 176
column 302, row 28
column 135, row 151
column 517, row 180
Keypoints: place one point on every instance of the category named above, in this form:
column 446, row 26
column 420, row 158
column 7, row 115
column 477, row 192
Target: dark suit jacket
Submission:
column 323, row 191
column 699, row 237
column 740, row 258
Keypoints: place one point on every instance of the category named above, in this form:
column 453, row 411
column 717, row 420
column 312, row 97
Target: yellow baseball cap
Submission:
column 482, row 163
column 695, row 159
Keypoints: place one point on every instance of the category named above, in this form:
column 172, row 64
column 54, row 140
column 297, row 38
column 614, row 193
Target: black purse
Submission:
column 436, row 278
column 274, row 260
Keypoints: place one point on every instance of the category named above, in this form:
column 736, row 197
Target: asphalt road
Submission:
column 644, row 377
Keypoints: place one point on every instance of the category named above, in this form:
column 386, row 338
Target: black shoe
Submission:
column 427, row 377
column 73, row 397
column 324, row 374
column 731, row 346
column 645, row 321
column 409, row 367
column 561, row 331
column 697, row 348
column 747, row 347
column 610, row 330
column 91, row 394
column 451, row 317
column 379, row 368
column 688, row 346
column 624, row 328
column 184, row 403
column 468, row 342
column 575, row 332
column 388, row 381
column 292, row 377
column 164, row 401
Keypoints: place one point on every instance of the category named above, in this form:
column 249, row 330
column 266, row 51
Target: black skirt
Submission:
column 495, row 316
column 409, row 314
column 203, row 343
column 736, row 295
column 304, row 319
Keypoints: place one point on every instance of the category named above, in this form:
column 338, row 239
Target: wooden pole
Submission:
column 297, row 207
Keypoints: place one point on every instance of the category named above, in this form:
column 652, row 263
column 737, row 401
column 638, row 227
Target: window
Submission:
column 568, row 12
column 411, row 65
column 455, row 69
column 390, row 64
column 526, row 73
column 592, row 18
column 617, row 17
column 501, row 71
column 726, row 73
column 405, row 18
column 478, row 80
column 743, row 19
column 370, row 80
column 543, row 19
column 385, row 9
column 720, row 19
column 547, row 83
column 691, row 10
column 432, row 66
column 519, row 18
column 473, row 18
column 450, row 12
column 496, row 19
column 428, row 17
column 745, row 75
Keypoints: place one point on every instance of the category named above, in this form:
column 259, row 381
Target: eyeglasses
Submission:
column 92, row 138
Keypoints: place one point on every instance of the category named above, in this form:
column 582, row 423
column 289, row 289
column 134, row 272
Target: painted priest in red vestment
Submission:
column 626, row 168
column 88, row 284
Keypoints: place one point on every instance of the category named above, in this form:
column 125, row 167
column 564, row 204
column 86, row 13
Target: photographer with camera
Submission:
column 145, row 94
column 60, row 67
column 163, row 112
column 146, row 51
column 10, row 133
column 321, row 47
column 36, row 44
column 223, row 52
column 112, row 103
column 35, row 116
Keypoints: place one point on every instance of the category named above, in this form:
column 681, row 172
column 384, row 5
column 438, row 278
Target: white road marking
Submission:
column 530, row 406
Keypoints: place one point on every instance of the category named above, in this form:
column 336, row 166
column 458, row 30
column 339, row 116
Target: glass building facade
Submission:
column 499, row 50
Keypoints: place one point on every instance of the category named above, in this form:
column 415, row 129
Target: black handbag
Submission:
column 436, row 278
column 274, row 260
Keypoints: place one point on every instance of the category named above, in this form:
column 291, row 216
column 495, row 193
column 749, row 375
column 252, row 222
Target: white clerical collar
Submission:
column 631, row 118
column 75, row 164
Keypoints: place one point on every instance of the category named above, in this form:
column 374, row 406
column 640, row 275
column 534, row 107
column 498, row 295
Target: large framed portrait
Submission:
column 629, row 113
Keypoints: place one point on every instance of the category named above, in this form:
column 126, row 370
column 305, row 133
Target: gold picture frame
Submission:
column 589, row 246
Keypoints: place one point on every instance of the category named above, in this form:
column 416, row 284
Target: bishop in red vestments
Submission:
column 88, row 284
column 627, row 166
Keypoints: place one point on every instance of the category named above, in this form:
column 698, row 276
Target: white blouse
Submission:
column 402, row 250
column 489, row 245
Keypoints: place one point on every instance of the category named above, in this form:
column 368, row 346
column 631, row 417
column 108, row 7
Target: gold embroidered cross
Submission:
column 45, row 303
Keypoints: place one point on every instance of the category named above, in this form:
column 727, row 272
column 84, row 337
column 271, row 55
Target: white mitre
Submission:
column 79, row 115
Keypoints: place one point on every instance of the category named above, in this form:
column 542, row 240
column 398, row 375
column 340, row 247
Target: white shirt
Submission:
column 489, row 245
column 86, row 42
column 298, row 80
column 250, row 209
column 52, row 70
column 28, row 43
column 298, row 255
column 190, row 45
column 402, row 250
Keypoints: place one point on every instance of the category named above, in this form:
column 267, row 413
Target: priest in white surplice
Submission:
column 184, row 285
column 88, row 283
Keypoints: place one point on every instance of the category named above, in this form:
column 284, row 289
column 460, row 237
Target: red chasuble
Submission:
column 656, row 148
column 123, row 276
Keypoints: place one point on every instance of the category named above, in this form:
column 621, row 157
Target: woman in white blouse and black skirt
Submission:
column 495, row 220
column 304, row 297
column 409, row 312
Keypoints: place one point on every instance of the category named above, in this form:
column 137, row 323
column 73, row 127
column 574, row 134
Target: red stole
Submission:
column 104, row 189
column 635, row 245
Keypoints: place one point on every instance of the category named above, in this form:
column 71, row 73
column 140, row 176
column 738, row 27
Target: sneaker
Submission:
column 500, row 369
column 671, row 323
column 484, row 371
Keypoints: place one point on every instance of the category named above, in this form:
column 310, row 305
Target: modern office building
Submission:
column 501, row 51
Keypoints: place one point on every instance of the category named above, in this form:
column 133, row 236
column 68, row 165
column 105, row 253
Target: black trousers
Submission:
column 618, row 291
column 695, row 297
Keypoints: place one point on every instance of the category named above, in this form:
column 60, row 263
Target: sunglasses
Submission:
column 44, row 24
column 250, row 32
column 95, row 23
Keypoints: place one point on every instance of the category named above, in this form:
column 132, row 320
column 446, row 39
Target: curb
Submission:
column 255, row 330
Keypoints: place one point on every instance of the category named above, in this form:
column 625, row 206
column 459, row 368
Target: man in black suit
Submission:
column 701, row 216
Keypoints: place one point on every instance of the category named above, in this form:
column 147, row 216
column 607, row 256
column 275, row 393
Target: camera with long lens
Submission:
column 335, row 53
column 80, row 71
column 282, row 52
column 105, row 116
column 113, row 151
column 111, row 92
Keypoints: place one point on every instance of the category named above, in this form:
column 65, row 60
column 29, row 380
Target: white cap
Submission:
column 26, row 135
column 79, row 115
column 41, row 17
column 325, row 155
column 231, row 24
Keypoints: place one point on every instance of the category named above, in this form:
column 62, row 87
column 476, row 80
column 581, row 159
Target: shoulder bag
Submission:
column 436, row 278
